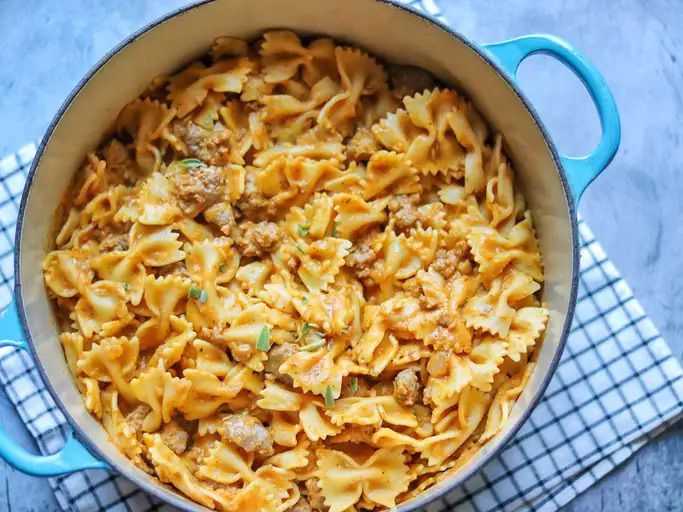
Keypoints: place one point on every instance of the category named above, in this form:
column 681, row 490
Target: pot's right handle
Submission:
column 580, row 170
column 72, row 457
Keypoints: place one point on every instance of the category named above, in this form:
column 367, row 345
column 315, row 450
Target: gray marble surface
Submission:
column 634, row 207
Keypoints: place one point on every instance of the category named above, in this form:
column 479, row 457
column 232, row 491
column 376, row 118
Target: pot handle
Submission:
column 580, row 170
column 72, row 457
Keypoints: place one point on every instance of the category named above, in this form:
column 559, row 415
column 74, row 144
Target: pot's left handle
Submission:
column 72, row 457
column 580, row 170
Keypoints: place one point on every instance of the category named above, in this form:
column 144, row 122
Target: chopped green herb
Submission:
column 315, row 345
column 191, row 162
column 329, row 397
column 353, row 385
column 304, row 299
column 194, row 292
column 345, row 329
column 221, row 267
column 303, row 230
column 127, row 286
column 300, row 249
column 334, row 228
column 263, row 340
column 203, row 296
column 306, row 329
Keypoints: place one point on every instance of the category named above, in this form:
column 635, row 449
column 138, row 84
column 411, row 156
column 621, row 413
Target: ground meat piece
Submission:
column 438, row 364
column 196, row 454
column 362, row 260
column 362, row 145
column 413, row 287
column 409, row 80
column 300, row 506
column 253, row 240
column 222, row 216
column 406, row 387
column 114, row 243
column 248, row 433
column 174, row 437
column 198, row 188
column 252, row 202
column 276, row 356
column 447, row 261
column 404, row 211
column 120, row 162
column 362, row 256
column 137, row 416
column 210, row 146
column 315, row 498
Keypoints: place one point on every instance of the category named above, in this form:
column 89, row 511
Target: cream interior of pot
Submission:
column 384, row 30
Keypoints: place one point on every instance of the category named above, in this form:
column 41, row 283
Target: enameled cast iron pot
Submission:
column 551, row 182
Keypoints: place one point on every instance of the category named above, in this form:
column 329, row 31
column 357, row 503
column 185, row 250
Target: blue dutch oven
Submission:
column 552, row 182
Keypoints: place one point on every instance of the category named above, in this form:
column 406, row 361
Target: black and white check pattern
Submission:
column 617, row 386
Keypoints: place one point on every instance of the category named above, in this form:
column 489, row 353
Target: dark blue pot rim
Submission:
column 419, row 501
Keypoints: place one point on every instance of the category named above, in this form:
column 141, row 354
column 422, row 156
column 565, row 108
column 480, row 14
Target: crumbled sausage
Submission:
column 210, row 146
column 221, row 215
column 404, row 211
column 196, row 454
column 174, row 437
column 315, row 498
column 199, row 187
column 276, row 356
column 362, row 145
column 439, row 364
column 137, row 416
column 114, row 243
column 300, row 506
column 362, row 260
column 406, row 387
column 408, row 80
column 252, row 202
column 253, row 240
column 248, row 433
column 447, row 261
column 361, row 257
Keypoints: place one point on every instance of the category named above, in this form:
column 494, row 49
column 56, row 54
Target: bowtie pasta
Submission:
column 295, row 278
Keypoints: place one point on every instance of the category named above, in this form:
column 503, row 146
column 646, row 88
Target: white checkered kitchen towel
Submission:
column 617, row 386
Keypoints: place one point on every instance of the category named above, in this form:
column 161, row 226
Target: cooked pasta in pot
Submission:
column 294, row 278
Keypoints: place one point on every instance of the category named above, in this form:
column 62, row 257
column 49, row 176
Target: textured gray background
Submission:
column 634, row 207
